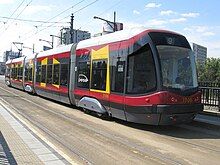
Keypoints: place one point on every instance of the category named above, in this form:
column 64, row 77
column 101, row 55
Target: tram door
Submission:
column 118, row 70
column 99, row 73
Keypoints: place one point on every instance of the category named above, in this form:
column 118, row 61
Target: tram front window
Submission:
column 178, row 67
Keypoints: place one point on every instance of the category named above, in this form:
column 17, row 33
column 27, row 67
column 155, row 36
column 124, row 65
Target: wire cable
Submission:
column 18, row 15
column 63, row 18
column 114, row 5
column 37, row 26
column 64, row 11
column 28, row 20
column 15, row 11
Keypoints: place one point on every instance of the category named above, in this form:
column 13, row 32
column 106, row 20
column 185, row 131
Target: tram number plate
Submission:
column 187, row 100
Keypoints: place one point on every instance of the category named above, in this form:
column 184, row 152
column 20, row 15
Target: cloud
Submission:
column 198, row 29
column 201, row 30
column 37, row 8
column 177, row 20
column 152, row 5
column 128, row 25
column 190, row 15
column 156, row 22
column 208, row 34
column 205, row 36
column 6, row 2
column 167, row 12
column 136, row 12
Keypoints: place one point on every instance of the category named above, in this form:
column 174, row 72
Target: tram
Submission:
column 138, row 75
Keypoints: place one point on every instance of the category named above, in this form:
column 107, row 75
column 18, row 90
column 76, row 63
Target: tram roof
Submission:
column 95, row 41
column 60, row 49
column 112, row 37
column 8, row 62
column 20, row 59
column 30, row 56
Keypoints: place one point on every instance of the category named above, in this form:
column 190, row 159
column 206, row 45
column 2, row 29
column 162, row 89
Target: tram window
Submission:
column 43, row 76
column 99, row 72
column 64, row 74
column 13, row 73
column 117, row 80
column 26, row 73
column 49, row 74
column 56, row 74
column 38, row 74
column 30, row 70
column 83, row 74
column 20, row 73
column 17, row 73
column 141, row 77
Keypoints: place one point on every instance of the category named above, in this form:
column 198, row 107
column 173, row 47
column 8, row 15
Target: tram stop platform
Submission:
column 18, row 145
column 210, row 115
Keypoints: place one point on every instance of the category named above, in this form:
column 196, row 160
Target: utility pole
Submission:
column 71, row 28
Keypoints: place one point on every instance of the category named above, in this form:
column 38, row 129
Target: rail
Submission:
column 211, row 96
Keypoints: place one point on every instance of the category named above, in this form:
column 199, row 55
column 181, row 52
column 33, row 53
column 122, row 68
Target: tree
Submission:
column 209, row 71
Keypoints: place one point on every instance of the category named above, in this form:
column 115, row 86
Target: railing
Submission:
column 210, row 94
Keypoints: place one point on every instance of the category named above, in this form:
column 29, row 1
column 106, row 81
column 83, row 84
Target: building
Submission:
column 200, row 52
column 9, row 55
column 2, row 68
column 78, row 35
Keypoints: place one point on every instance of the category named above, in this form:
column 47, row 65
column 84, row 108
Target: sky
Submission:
column 198, row 20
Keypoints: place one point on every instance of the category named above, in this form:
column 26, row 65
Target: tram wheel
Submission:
column 86, row 111
column 103, row 116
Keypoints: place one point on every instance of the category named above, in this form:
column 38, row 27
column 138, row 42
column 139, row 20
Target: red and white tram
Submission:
column 137, row 75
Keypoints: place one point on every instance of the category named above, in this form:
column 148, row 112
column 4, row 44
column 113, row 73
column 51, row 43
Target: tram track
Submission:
column 48, row 132
column 116, row 139
column 120, row 140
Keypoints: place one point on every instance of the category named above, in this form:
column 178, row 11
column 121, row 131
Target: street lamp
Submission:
column 49, row 42
column 25, row 47
column 108, row 22
column 57, row 37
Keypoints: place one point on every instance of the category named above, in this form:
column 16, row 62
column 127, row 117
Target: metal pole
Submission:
column 61, row 37
column 33, row 48
column 52, row 41
column 71, row 28
column 114, row 21
column 218, row 91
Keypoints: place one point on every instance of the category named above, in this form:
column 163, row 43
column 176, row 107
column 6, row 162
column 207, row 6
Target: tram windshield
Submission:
column 178, row 67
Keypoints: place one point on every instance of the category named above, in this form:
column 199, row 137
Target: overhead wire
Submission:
column 63, row 11
column 63, row 18
column 29, row 20
column 14, row 11
column 114, row 5
column 20, row 13
column 37, row 26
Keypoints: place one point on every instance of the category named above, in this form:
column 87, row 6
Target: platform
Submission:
column 18, row 145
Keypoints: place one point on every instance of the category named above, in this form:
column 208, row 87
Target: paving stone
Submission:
column 24, row 147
